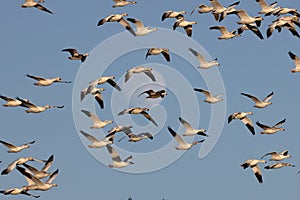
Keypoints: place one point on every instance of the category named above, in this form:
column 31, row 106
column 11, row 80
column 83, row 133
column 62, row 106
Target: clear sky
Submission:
column 31, row 43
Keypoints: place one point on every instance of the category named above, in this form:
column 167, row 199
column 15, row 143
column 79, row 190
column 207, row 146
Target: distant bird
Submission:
column 283, row 11
column 190, row 131
column 277, row 156
column 296, row 60
column 154, row 94
column 32, row 3
column 15, row 149
column 258, row 103
column 220, row 11
column 18, row 161
column 243, row 117
column 10, row 102
column 267, row 9
column 251, row 27
column 98, row 123
column 121, row 3
column 253, row 164
column 182, row 144
column 125, row 129
column 204, row 64
column 109, row 80
column 139, row 69
column 137, row 111
column 271, row 129
column 109, row 139
column 93, row 90
column 136, row 138
column 246, row 19
column 187, row 25
column 172, row 14
column 141, row 30
column 38, row 184
column 117, row 18
column 75, row 55
column 209, row 97
column 16, row 191
column 155, row 51
column 225, row 33
column 202, row 9
column 33, row 108
column 43, row 172
column 287, row 22
column 46, row 81
column 117, row 162
column 279, row 165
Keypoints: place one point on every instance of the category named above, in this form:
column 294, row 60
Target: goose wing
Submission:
column 39, row 6
column 127, row 26
column 216, row 5
column 267, row 154
column 147, row 115
column 128, row 75
column 257, row 172
column 6, row 98
column 99, row 98
column 263, row 126
column 48, row 164
column 52, row 177
column 268, row 97
column 255, row 99
column 114, row 84
column 8, row 145
column 127, row 110
column 176, row 136
column 38, row 78
column 10, row 167
column 113, row 153
column 71, row 51
column 285, row 152
column 147, row 92
column 248, row 124
column 255, row 30
column 89, row 137
column 147, row 134
column 150, row 75
column 198, row 56
column 92, row 116
column 26, row 103
column 166, row 55
column 186, row 125
column 279, row 123
column 222, row 29
column 205, row 92
column 30, row 176
column 32, row 169
column 139, row 24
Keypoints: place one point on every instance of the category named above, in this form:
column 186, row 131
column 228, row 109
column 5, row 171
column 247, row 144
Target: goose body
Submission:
column 109, row 80
column 139, row 69
column 138, row 110
column 209, row 97
column 34, row 108
column 253, row 164
column 46, row 81
column 187, row 25
column 258, row 103
column 122, row 3
column 172, row 14
column 15, row 149
column 109, row 139
column 155, row 51
column 265, row 8
column 226, row 35
column 204, row 64
column 117, row 162
column 279, row 165
column 246, row 19
column 219, row 9
column 271, row 129
column 202, row 9
column 154, row 94
column 141, row 30
column 243, row 117
column 190, row 131
column 98, row 123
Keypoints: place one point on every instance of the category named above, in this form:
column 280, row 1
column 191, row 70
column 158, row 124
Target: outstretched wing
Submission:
column 149, row 117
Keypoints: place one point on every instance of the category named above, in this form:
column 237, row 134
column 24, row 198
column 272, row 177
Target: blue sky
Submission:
column 31, row 42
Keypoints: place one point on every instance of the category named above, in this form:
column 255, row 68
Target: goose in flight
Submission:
column 154, row 94
column 10, row 102
column 33, row 108
column 117, row 162
column 93, row 90
column 218, row 9
column 172, row 14
column 267, row 9
column 253, row 164
column 109, row 139
column 136, row 138
column 155, row 51
column 190, row 131
column 277, row 156
column 16, row 191
column 271, row 129
column 43, row 172
column 122, row 3
column 32, row 3
column 258, row 103
column 38, row 184
column 251, row 27
column 15, row 149
column 141, row 30
column 246, row 19
column 283, row 11
column 18, row 161
column 187, row 25
column 137, row 111
column 243, row 117
column 209, row 97
column 296, row 60
column 98, row 123
column 75, row 55
column 183, row 145
column 226, row 35
column 202, row 9
column 46, row 81
column 204, row 64
column 279, row 165
column 117, row 18
column 287, row 22
column 125, row 129
column 109, row 80
column 139, row 69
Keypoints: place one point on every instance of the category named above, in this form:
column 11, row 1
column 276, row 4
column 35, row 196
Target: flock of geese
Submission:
column 287, row 18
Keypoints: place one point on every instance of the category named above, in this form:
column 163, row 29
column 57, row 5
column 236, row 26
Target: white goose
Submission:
column 138, row 110
column 33, row 108
column 187, row 25
column 251, row 27
column 109, row 139
column 190, row 131
column 287, row 22
column 15, row 149
column 296, row 60
column 246, row 19
column 253, row 163
column 277, row 156
column 75, row 55
column 258, row 103
column 218, row 9
column 204, row 64
column 226, row 35
column 98, row 123
column 122, row 3
column 243, row 117
column 139, row 69
column 117, row 162
column 271, row 129
column 93, row 90
column 183, row 145
column 283, row 11
column 11, row 102
column 279, row 165
column 125, row 129
column 172, row 14
column 155, row 51
column 46, row 81
column 209, row 97
column 202, row 9
column 136, row 138
column 43, row 172
column 267, row 9
column 141, row 30
column 18, row 161
column 32, row 3
column 16, row 191
column 109, row 80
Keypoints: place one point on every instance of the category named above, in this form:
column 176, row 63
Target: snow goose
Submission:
column 75, row 55
column 140, row 28
column 16, row 191
column 296, row 60
column 243, row 117
column 10, row 102
column 251, row 27
column 172, row 14
column 109, row 139
column 18, row 161
column 32, row 3
column 117, row 18
column 139, row 69
column 43, row 172
column 155, row 51
column 109, row 80
column 190, row 131
column 284, row 22
column 283, row 11
column 125, row 129
column 46, row 81
column 258, row 103
column 33, row 108
column 202, row 9
column 98, row 123
column 38, row 184
column 253, row 164
column 95, row 92
column 136, row 138
column 209, row 97
column 271, row 129
column 117, row 162
column 187, row 25
column 154, row 94
column 246, row 19
column 277, row 156
column 218, row 9
column 137, row 111
column 225, row 33
column 267, row 9
column 182, row 144
column 15, row 149
column 121, row 3
column 279, row 165
column 204, row 64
